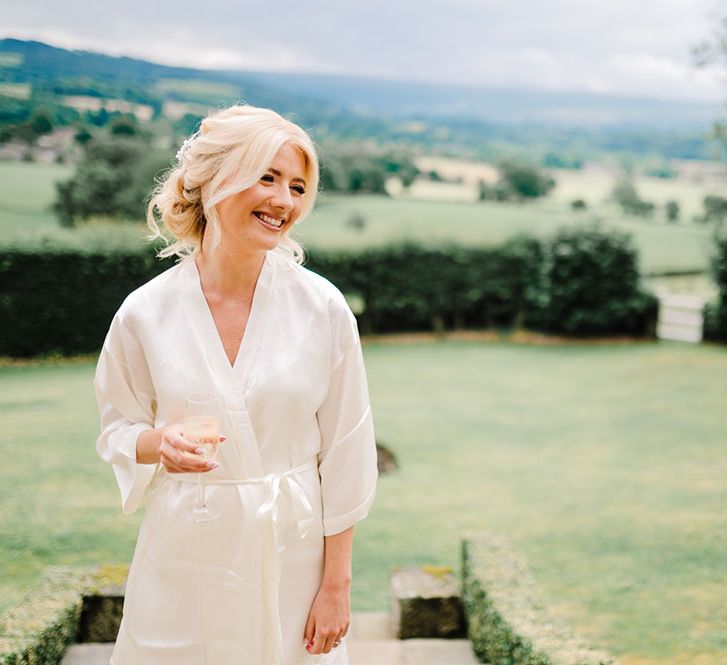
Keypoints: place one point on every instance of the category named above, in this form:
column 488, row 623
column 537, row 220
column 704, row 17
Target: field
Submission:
column 604, row 463
column 28, row 192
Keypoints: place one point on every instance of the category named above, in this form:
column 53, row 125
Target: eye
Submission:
column 268, row 177
column 299, row 189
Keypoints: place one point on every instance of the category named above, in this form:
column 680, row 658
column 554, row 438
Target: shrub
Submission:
column 590, row 286
column 507, row 622
column 715, row 314
column 41, row 628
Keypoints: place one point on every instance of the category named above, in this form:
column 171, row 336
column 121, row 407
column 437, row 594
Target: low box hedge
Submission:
column 507, row 622
column 39, row 630
column 68, row 605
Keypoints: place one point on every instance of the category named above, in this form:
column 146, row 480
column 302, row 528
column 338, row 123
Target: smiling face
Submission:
column 255, row 218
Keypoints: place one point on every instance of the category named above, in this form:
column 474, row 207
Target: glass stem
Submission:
column 200, row 492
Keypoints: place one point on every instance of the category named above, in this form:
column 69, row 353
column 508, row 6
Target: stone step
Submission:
column 370, row 642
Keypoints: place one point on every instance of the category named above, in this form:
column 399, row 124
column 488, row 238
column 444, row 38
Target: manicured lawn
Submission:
column 604, row 463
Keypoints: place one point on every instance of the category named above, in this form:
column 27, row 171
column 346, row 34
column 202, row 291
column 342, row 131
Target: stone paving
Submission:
column 371, row 641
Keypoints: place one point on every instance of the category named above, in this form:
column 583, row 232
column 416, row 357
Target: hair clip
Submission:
column 182, row 152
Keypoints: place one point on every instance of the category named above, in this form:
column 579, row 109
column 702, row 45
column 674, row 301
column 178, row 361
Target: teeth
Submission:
column 270, row 220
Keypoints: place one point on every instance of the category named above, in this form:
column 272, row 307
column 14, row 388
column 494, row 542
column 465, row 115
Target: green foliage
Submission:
column 41, row 628
column 112, row 179
column 507, row 622
column 354, row 169
column 580, row 283
column 552, row 160
column 590, row 286
column 715, row 314
column 625, row 194
column 523, row 181
column 124, row 126
column 715, row 208
column 63, row 298
column 407, row 287
column 672, row 210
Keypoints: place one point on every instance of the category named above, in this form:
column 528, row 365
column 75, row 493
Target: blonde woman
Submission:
column 268, row 581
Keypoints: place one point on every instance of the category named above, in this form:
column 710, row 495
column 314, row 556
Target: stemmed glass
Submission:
column 202, row 427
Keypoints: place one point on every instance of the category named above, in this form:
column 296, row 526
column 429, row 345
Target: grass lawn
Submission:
column 27, row 192
column 604, row 463
column 662, row 246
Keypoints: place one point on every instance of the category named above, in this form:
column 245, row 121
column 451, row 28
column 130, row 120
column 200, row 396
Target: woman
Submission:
column 267, row 583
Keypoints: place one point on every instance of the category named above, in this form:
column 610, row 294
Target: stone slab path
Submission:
column 371, row 641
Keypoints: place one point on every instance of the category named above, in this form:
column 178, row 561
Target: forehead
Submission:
column 291, row 160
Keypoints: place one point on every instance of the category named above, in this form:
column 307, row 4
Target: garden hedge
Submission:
column 40, row 629
column 715, row 314
column 59, row 299
column 68, row 605
column 507, row 623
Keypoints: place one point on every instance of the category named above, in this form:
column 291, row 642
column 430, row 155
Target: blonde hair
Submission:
column 231, row 152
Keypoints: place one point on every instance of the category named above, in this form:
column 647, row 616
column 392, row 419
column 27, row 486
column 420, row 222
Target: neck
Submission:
column 229, row 274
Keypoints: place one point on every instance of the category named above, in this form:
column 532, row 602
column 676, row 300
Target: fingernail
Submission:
column 214, row 465
column 223, row 437
column 199, row 451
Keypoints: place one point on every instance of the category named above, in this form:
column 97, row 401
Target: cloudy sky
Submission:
column 620, row 46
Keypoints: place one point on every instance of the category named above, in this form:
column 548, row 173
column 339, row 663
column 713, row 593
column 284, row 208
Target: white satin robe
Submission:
column 299, row 463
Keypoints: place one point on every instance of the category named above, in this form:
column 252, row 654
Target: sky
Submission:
column 630, row 47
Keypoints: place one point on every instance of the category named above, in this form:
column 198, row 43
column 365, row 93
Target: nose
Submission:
column 282, row 199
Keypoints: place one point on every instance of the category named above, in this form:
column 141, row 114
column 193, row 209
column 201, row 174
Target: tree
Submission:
column 672, row 210
column 715, row 208
column 113, row 179
column 524, row 181
column 625, row 194
column 712, row 52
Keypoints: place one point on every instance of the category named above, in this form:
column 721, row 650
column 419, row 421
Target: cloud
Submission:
column 614, row 45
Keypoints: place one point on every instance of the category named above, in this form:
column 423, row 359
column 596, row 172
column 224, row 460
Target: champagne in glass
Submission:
column 201, row 427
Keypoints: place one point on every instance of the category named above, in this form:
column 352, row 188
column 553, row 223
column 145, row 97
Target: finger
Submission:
column 180, row 443
column 177, row 462
column 309, row 632
column 327, row 644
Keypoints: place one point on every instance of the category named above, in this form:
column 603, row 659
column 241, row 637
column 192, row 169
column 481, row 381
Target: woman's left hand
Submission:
column 328, row 619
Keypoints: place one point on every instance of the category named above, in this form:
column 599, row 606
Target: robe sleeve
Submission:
column 347, row 461
column 125, row 397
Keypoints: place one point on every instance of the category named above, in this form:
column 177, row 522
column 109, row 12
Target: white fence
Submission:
column 680, row 317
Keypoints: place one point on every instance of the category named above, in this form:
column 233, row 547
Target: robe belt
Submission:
column 276, row 485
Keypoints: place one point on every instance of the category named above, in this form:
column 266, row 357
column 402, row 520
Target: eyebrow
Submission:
column 277, row 173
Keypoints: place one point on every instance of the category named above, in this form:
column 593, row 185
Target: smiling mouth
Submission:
column 271, row 222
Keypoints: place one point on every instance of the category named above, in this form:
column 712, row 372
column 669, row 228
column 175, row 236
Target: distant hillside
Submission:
column 497, row 105
column 468, row 121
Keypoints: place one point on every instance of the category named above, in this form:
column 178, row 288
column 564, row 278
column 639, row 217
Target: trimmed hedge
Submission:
column 45, row 624
column 68, row 605
column 715, row 314
column 590, row 286
column 507, row 622
column 60, row 299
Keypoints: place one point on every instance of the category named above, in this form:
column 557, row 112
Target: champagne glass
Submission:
column 201, row 427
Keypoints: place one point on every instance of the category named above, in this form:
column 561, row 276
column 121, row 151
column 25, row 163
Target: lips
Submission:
column 273, row 222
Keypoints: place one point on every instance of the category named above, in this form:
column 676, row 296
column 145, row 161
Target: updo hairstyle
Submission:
column 231, row 151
